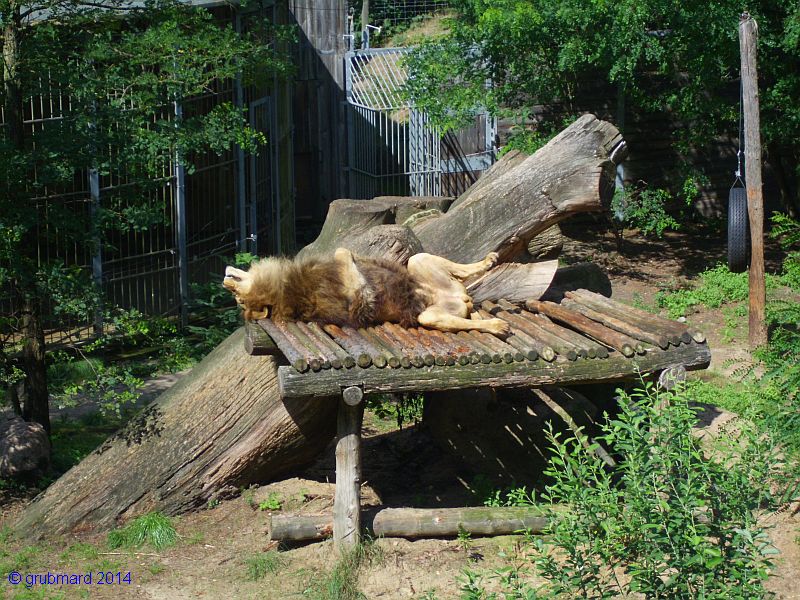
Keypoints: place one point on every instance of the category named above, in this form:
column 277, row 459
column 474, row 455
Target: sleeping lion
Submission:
column 358, row 291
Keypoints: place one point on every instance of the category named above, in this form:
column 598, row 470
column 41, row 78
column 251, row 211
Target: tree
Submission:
column 120, row 70
column 682, row 57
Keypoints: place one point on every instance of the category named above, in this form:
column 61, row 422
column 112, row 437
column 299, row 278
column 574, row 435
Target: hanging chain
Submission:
column 741, row 134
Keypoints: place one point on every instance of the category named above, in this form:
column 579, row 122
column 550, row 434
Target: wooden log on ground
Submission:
column 447, row 522
column 224, row 424
column 300, row 528
column 418, row 523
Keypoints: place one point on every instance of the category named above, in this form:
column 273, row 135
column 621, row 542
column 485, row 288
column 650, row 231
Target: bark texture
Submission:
column 573, row 173
column 220, row 428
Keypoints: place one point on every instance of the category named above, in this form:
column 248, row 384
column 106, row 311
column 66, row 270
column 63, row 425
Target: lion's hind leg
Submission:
column 422, row 264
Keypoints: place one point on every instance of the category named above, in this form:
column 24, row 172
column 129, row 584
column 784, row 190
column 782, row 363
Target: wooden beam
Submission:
column 616, row 367
column 347, row 499
column 748, row 43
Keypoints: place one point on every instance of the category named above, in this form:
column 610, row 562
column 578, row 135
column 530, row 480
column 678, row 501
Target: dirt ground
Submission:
column 401, row 468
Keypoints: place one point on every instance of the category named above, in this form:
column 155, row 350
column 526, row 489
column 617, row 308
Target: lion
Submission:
column 359, row 291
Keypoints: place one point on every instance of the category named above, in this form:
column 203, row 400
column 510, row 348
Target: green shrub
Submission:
column 664, row 522
column 644, row 209
column 153, row 529
column 787, row 231
column 675, row 524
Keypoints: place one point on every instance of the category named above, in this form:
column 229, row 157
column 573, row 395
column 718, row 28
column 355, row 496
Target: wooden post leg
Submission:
column 347, row 499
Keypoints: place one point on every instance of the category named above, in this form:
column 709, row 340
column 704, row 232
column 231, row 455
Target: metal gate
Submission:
column 392, row 147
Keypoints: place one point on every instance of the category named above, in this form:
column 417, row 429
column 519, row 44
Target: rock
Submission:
column 24, row 448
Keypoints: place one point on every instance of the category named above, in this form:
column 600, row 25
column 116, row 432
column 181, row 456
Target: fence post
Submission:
column 97, row 256
column 748, row 41
column 180, row 218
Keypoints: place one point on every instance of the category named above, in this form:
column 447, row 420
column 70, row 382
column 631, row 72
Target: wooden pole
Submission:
column 347, row 498
column 748, row 42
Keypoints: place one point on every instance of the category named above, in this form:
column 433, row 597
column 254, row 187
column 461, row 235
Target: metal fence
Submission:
column 393, row 149
column 228, row 203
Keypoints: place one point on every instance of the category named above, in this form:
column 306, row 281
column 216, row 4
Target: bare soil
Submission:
column 401, row 468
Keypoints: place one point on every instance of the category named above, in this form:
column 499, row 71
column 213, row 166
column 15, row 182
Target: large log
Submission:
column 572, row 173
column 374, row 228
column 217, row 430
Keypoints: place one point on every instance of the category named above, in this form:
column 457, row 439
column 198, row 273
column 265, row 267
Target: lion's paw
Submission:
column 497, row 326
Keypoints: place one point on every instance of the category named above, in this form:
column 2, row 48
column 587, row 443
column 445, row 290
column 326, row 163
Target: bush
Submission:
column 664, row 522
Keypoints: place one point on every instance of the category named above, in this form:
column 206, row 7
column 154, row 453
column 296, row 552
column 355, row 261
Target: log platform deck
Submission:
column 585, row 338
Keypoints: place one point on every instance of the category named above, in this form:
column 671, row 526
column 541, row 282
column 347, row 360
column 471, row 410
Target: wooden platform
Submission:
column 586, row 338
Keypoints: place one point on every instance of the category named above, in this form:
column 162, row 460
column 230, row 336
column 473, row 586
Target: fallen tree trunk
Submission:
column 226, row 426
column 217, row 430
column 573, row 173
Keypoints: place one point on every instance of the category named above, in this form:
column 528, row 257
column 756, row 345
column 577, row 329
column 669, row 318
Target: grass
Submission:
column 153, row 529
column 717, row 287
column 259, row 565
column 341, row 583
